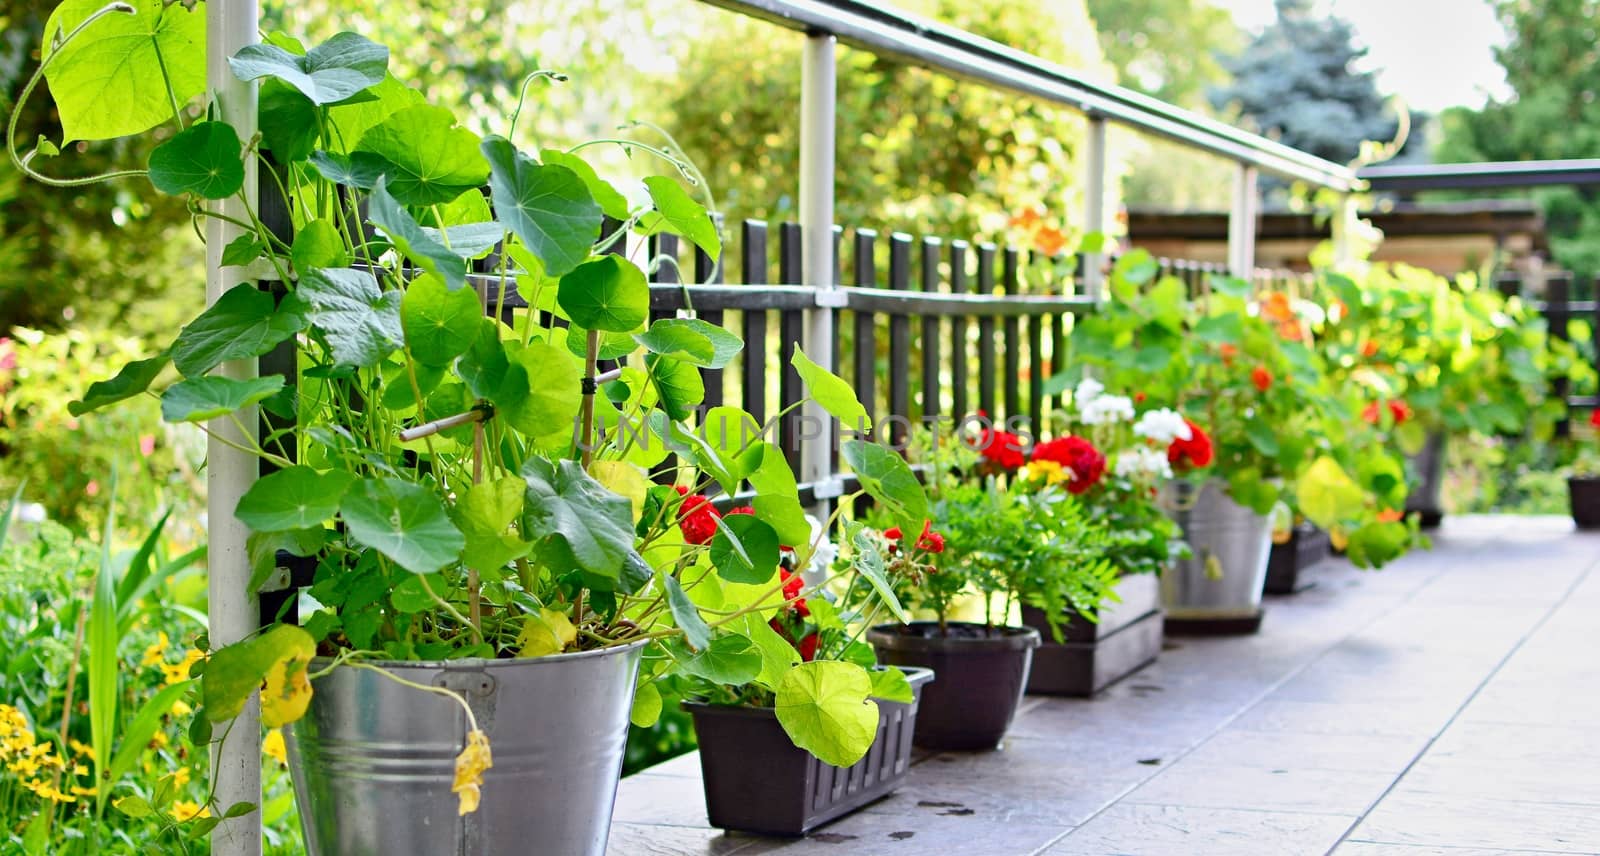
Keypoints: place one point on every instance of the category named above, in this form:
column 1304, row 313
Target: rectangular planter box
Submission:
column 1094, row 656
column 756, row 780
column 1307, row 545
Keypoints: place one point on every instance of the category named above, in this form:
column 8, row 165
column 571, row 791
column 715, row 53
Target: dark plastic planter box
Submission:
column 1585, row 495
column 756, row 780
column 1093, row 656
column 982, row 674
column 1307, row 545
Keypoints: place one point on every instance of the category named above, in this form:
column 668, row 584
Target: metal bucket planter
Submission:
column 756, row 780
column 373, row 761
column 1218, row 590
column 1092, row 656
column 1427, row 496
column 982, row 674
column 1307, row 545
column 1584, row 493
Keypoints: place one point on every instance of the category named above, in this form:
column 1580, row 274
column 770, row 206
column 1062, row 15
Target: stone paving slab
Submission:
column 1449, row 704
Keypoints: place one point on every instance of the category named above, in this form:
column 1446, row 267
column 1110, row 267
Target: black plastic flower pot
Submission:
column 982, row 674
column 1307, row 545
column 1092, row 656
column 1584, row 491
column 756, row 780
column 1427, row 494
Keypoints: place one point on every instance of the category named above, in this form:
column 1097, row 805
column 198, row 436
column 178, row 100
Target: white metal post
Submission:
column 1344, row 221
column 236, row 760
column 817, row 119
column 1242, row 222
column 1094, row 201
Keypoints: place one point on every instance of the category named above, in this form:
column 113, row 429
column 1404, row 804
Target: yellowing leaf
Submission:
column 546, row 632
column 623, row 479
column 470, row 764
column 287, row 689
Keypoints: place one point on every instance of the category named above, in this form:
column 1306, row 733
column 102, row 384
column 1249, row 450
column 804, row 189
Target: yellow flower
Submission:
column 79, row 770
column 181, row 708
column 274, row 748
column 177, row 673
column 45, row 790
column 180, row 777
column 11, row 721
column 155, row 655
column 1048, row 472
column 24, row 766
column 158, row 740
column 82, row 791
column 470, row 764
column 82, row 750
column 184, row 811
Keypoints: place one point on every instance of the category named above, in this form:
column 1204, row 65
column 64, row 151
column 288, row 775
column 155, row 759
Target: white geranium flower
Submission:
column 1162, row 426
column 1106, row 410
column 1138, row 461
column 822, row 555
column 30, row 512
column 1088, row 390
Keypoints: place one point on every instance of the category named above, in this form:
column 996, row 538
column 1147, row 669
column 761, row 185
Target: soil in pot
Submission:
column 982, row 674
column 1584, row 493
column 756, row 780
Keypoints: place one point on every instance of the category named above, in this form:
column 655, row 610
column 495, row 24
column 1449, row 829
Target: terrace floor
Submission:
column 1449, row 704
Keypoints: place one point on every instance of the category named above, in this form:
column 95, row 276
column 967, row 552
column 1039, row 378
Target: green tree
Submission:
column 1168, row 49
column 916, row 150
column 1554, row 112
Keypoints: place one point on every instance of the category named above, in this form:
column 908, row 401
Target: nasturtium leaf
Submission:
column 404, row 521
column 242, row 251
column 398, row 393
column 608, row 346
column 242, row 323
column 728, row 659
column 298, row 497
column 439, row 324
column 832, row 392
column 236, row 671
column 467, row 211
column 608, row 293
column 623, row 479
column 360, row 170
column 204, row 159
column 823, row 705
column 676, row 212
column 785, row 515
column 286, row 691
column 433, row 159
column 1327, row 495
column 870, row 564
column 130, row 380
column 887, row 478
column 612, row 202
column 484, row 514
column 409, row 239
column 548, row 207
column 575, row 522
column 691, row 340
column 546, row 632
column 778, row 655
column 745, row 549
column 109, row 81
column 678, row 384
column 360, row 322
column 289, row 122
column 646, row 710
column 201, row 398
column 540, row 394
column 685, row 614
column 327, row 74
column 890, row 684
column 1261, row 436
column 317, row 244
column 483, row 367
column 468, row 240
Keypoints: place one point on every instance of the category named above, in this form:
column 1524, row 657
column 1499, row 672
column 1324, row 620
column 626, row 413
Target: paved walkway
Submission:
column 1449, row 704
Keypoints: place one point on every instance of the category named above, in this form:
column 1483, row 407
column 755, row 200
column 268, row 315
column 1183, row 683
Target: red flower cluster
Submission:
column 929, row 541
column 1261, row 378
column 792, row 586
column 697, row 517
column 1594, row 418
column 1194, row 452
column 1399, row 411
column 1002, row 447
column 1078, row 455
column 795, row 615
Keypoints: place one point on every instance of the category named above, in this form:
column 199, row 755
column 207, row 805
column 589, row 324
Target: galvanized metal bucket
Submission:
column 373, row 761
column 1231, row 545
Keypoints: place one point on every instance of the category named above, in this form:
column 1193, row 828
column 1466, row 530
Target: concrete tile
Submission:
column 1389, row 848
column 1416, row 817
column 629, row 839
column 1155, row 830
column 1280, row 789
column 897, row 835
column 1398, row 719
column 1289, row 750
column 647, row 798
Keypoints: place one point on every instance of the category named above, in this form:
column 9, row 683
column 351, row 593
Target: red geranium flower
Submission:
column 808, row 647
column 1194, row 452
column 1261, row 378
column 743, row 509
column 1002, row 447
column 1369, row 349
column 793, row 584
column 893, row 533
column 930, row 540
column 1594, row 418
column 697, row 519
column 1400, row 411
column 1080, row 456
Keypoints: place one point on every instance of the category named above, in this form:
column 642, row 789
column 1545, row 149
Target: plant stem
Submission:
column 590, row 353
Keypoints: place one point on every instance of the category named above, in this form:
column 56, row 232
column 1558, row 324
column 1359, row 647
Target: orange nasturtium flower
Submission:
column 1228, row 351
column 1275, row 306
column 1261, row 378
column 1391, row 515
column 1050, row 241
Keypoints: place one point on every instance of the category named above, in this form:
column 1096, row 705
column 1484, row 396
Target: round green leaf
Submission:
column 298, row 497
column 832, row 392
column 745, row 550
column 540, row 393
column 289, row 122
column 317, row 244
column 576, row 522
column 646, row 706
column 824, row 707
column 360, row 322
column 439, row 324
column 679, row 385
column 202, row 398
column 242, row 323
column 728, row 659
column 613, row 203
column 433, row 159
column 888, row 479
column 676, row 212
column 203, row 159
column 608, row 294
column 404, row 521
column 409, row 238
column 108, row 81
column 547, row 207
column 328, row 73
column 691, row 340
